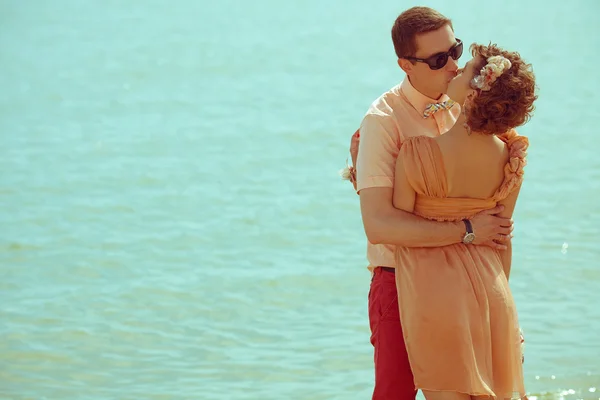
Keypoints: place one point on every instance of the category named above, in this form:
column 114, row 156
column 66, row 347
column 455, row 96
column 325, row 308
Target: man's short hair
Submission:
column 410, row 23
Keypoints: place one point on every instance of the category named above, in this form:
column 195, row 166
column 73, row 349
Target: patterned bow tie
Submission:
column 435, row 107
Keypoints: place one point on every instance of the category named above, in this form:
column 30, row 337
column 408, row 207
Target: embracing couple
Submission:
column 438, row 168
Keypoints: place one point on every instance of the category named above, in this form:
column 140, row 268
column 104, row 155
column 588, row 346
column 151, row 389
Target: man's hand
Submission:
column 492, row 230
column 354, row 141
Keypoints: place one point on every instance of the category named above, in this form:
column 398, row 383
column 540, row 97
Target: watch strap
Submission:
column 468, row 225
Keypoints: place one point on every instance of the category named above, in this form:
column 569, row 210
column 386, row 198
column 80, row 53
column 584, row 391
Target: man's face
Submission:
column 429, row 44
column 460, row 87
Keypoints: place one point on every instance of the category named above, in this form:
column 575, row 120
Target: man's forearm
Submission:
column 402, row 228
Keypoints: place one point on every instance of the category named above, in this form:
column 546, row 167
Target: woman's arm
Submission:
column 509, row 207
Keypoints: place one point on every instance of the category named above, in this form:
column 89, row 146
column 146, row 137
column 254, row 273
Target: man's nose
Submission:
column 452, row 64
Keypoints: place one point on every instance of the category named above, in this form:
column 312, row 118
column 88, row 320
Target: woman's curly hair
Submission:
column 509, row 102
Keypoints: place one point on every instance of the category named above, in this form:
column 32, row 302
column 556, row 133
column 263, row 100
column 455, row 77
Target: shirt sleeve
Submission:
column 377, row 152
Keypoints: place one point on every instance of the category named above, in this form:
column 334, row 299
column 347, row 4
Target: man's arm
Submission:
column 385, row 224
column 415, row 231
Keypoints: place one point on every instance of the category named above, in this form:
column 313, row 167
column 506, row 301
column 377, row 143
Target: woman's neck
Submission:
column 460, row 128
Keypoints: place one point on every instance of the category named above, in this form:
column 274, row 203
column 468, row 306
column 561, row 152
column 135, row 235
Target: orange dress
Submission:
column 458, row 315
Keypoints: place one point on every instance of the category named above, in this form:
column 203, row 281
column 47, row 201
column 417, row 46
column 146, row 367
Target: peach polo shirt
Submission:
column 393, row 117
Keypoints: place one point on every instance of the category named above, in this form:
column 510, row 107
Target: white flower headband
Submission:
column 496, row 66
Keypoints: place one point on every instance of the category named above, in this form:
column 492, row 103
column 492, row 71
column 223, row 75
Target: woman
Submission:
column 459, row 319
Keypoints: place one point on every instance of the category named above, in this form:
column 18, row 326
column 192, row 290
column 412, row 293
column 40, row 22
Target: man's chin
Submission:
column 444, row 88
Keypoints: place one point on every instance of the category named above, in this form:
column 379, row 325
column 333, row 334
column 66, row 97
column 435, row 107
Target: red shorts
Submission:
column 393, row 376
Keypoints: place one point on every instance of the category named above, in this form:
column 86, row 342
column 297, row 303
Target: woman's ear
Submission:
column 471, row 94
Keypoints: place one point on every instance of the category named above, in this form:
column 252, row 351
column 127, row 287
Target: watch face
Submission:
column 469, row 237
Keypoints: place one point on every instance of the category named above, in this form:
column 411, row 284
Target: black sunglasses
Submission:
column 440, row 60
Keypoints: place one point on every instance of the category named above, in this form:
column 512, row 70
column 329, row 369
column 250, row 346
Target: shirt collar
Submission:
column 417, row 99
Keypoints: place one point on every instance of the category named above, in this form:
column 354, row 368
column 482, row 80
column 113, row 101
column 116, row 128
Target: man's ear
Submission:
column 406, row 65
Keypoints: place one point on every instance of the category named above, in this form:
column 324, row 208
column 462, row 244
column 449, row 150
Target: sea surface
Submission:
column 172, row 222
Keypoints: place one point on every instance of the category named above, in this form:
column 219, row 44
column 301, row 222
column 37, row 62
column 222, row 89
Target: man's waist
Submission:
column 380, row 255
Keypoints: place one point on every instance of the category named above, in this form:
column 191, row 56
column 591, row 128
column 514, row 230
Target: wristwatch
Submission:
column 470, row 235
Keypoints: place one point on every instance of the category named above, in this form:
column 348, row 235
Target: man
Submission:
column 427, row 52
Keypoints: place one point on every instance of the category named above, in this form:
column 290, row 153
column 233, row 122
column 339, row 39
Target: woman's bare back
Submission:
column 474, row 163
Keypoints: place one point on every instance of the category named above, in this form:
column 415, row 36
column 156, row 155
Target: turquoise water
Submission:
column 173, row 225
